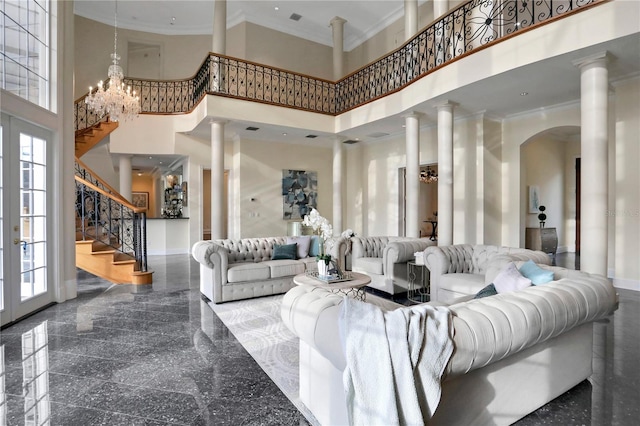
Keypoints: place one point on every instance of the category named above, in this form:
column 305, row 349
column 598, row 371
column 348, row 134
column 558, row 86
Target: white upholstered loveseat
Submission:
column 513, row 352
column 234, row 269
column 461, row 269
column 384, row 259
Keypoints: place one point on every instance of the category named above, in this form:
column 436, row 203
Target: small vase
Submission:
column 323, row 268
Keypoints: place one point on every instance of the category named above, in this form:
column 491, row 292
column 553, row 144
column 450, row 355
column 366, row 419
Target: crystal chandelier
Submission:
column 116, row 101
column 428, row 176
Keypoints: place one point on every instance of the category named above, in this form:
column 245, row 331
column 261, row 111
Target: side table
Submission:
column 419, row 282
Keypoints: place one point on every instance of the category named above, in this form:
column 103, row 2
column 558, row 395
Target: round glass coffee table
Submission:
column 353, row 286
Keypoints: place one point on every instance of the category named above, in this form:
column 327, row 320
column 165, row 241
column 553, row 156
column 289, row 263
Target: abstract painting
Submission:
column 299, row 193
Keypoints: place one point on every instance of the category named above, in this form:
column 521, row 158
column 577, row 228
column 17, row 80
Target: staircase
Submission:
column 111, row 239
column 91, row 136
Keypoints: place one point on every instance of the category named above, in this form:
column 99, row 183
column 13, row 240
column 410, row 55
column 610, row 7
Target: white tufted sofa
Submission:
column 384, row 259
column 514, row 352
column 234, row 269
column 461, row 269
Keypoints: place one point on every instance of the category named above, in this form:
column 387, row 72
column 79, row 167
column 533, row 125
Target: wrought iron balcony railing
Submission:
column 465, row 29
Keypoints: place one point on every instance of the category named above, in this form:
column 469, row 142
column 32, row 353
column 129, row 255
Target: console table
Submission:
column 543, row 239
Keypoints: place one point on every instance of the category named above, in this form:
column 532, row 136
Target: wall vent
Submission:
column 350, row 141
column 295, row 17
column 311, row 136
column 253, row 129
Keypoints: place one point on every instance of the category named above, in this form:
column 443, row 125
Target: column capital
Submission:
column 218, row 121
column 445, row 105
column 337, row 20
column 600, row 58
column 413, row 114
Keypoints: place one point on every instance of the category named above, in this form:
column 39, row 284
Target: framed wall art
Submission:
column 299, row 193
column 140, row 199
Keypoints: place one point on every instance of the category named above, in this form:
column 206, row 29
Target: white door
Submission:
column 24, row 204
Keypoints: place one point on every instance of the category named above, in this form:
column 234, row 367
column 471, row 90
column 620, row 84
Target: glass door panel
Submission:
column 24, row 272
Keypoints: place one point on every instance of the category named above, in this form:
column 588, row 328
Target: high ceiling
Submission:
column 553, row 81
column 364, row 17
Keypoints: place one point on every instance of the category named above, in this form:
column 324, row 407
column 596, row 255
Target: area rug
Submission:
column 257, row 325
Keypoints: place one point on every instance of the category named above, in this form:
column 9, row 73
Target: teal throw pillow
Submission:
column 284, row 251
column 314, row 247
column 489, row 290
column 536, row 274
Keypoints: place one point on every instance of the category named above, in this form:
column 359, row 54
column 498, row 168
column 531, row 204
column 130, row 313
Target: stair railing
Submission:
column 105, row 216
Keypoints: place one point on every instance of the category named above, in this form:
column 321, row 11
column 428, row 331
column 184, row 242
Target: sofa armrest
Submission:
column 402, row 251
column 337, row 248
column 312, row 314
column 215, row 257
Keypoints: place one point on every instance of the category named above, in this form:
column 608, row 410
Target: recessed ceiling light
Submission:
column 276, row 8
column 139, row 174
column 284, row 134
column 161, row 162
column 524, row 93
column 150, row 157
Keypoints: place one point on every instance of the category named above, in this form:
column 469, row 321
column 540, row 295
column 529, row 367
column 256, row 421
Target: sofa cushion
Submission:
column 462, row 283
column 368, row 265
column 487, row 291
column 510, row 279
column 284, row 251
column 303, row 243
column 536, row 274
column 284, row 268
column 248, row 271
column 310, row 263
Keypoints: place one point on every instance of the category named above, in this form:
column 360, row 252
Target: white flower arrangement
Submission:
column 348, row 233
column 323, row 228
column 319, row 224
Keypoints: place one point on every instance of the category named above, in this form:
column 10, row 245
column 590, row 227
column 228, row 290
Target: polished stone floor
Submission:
column 158, row 355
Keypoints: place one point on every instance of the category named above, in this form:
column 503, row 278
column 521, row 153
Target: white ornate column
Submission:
column 220, row 27
column 337, row 26
column 445, row 173
column 338, row 160
column 410, row 18
column 217, row 179
column 594, row 85
column 412, row 195
column 125, row 176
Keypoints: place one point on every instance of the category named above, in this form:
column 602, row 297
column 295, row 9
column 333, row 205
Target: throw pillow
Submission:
column 303, row 245
column 284, row 251
column 489, row 290
column 314, row 248
column 536, row 274
column 510, row 279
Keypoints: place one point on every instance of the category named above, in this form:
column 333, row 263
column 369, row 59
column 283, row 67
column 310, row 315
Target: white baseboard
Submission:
column 626, row 284
column 168, row 252
column 563, row 249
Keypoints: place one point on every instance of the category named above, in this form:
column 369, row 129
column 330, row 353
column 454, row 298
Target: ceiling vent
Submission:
column 350, row 141
column 253, row 129
column 295, row 17
column 378, row 135
column 311, row 136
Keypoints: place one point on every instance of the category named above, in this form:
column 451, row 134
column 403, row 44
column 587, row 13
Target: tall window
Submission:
column 24, row 49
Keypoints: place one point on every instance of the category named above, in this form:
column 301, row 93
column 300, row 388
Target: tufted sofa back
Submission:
column 368, row 246
column 250, row 249
column 473, row 259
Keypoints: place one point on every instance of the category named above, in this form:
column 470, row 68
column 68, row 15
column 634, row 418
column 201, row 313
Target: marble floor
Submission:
column 158, row 355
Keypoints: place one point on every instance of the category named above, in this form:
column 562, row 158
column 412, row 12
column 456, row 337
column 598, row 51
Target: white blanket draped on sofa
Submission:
column 395, row 361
